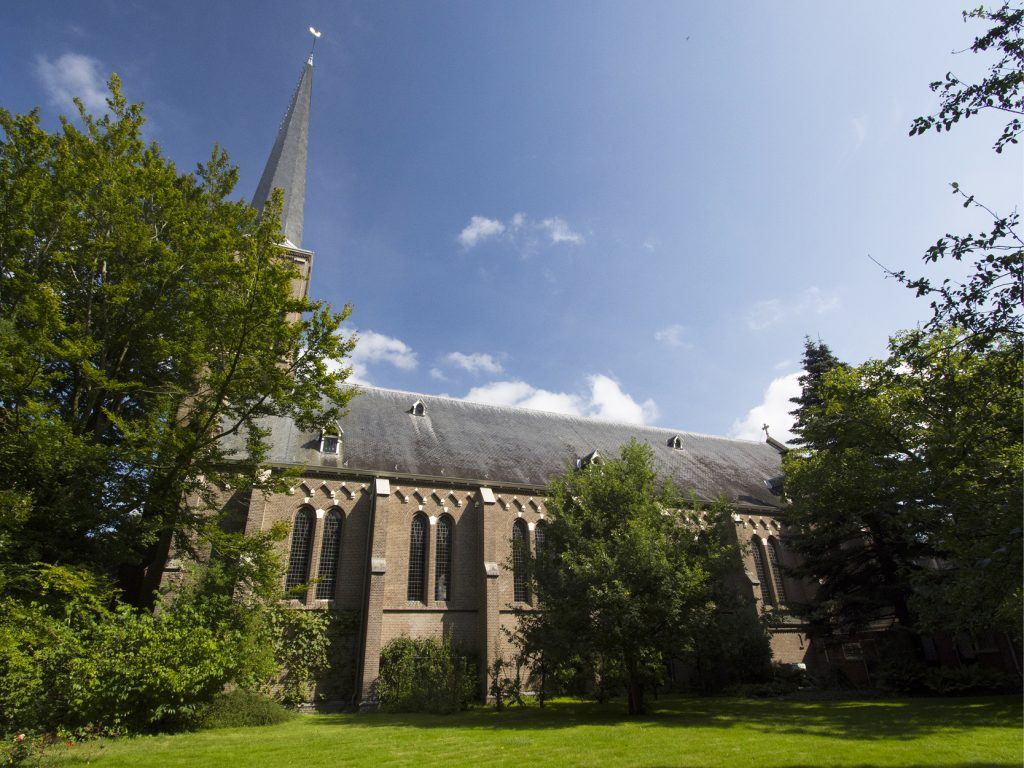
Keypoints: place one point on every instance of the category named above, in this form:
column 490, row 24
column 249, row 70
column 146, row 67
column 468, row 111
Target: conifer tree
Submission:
column 818, row 360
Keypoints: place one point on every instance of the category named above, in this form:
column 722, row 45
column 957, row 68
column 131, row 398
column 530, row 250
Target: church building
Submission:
column 406, row 513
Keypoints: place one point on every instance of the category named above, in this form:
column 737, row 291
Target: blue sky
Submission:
column 626, row 210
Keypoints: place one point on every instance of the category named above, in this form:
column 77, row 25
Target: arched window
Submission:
column 443, row 559
column 539, row 537
column 330, row 550
column 520, row 553
column 773, row 559
column 767, row 592
column 418, row 558
column 302, row 549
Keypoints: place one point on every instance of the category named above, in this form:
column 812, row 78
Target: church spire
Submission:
column 286, row 166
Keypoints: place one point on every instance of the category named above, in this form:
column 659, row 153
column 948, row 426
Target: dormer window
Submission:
column 591, row 458
column 418, row 409
column 330, row 441
column 675, row 442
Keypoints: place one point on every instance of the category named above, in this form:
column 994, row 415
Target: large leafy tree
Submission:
column 626, row 578
column 906, row 501
column 143, row 318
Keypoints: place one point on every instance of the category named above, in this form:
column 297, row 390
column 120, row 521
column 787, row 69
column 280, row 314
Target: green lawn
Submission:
column 679, row 732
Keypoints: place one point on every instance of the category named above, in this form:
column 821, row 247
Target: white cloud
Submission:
column 608, row 401
column 650, row 244
column 480, row 228
column 769, row 312
column 437, row 374
column 70, row 75
column 475, row 362
column 520, row 231
column 672, row 336
column 773, row 410
column 376, row 348
column 560, row 232
column 605, row 400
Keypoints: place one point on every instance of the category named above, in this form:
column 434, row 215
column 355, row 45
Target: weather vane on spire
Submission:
column 316, row 36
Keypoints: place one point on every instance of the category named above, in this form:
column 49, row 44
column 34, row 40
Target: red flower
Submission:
column 19, row 738
column 69, row 743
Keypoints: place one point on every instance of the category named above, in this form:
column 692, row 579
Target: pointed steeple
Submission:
column 286, row 166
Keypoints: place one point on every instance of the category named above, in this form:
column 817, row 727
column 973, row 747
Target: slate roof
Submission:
column 286, row 166
column 493, row 445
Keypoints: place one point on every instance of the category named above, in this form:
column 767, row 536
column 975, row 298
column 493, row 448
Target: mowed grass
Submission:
column 678, row 732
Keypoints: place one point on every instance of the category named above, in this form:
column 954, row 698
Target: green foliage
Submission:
column 905, row 674
column 425, row 675
column 240, row 708
column 988, row 303
column 506, row 683
column 301, row 643
column 144, row 317
column 913, row 461
column 1001, row 89
column 627, row 578
column 80, row 666
column 23, row 749
column 73, row 658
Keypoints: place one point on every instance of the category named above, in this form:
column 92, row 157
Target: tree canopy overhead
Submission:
column 143, row 317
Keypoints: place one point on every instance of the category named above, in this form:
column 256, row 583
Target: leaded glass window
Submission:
column 443, row 559
column 767, row 593
column 773, row 559
column 330, row 551
column 520, row 553
column 302, row 549
column 539, row 537
column 418, row 558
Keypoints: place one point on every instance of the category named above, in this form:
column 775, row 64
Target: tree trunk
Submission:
column 636, row 698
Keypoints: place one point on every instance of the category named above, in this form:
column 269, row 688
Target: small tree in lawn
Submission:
column 624, row 577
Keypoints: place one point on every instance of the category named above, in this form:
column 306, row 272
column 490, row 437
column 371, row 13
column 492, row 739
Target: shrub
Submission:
column 70, row 662
column 241, row 708
column 425, row 675
column 964, row 681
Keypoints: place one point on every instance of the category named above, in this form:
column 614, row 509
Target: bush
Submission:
column 75, row 660
column 964, row 681
column 425, row 675
column 240, row 709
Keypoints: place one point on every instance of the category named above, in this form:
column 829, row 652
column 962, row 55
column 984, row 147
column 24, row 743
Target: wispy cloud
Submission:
column 480, row 228
column 437, row 374
column 474, row 362
column 769, row 312
column 773, row 410
column 71, row 75
column 560, row 232
column 605, row 399
column 522, row 232
column 673, row 336
column 860, row 131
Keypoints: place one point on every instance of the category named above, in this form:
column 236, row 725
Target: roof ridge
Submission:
column 566, row 416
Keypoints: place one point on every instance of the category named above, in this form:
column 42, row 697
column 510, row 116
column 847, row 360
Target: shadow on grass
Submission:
column 884, row 719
